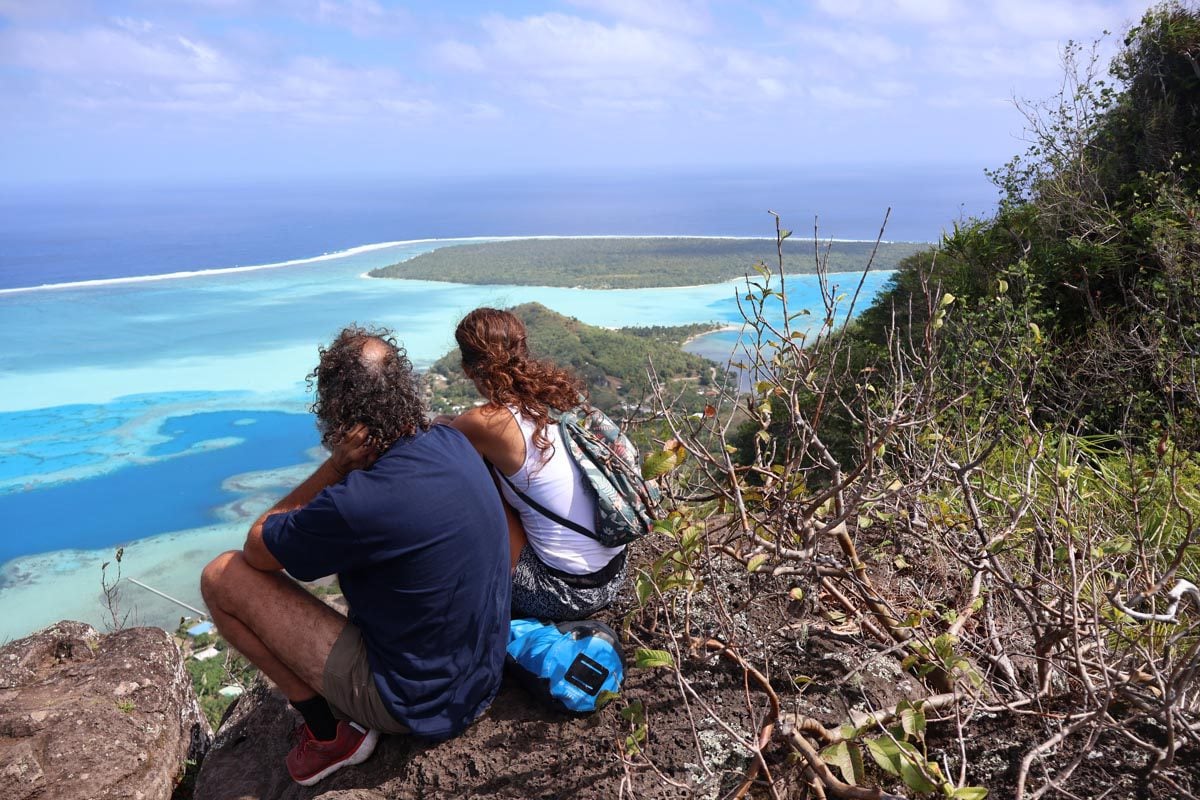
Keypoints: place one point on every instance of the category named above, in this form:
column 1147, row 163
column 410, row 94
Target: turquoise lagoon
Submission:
column 164, row 414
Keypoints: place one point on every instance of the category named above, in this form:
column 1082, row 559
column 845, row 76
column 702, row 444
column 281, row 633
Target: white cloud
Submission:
column 149, row 68
column 930, row 11
column 888, row 88
column 133, row 25
column 567, row 62
column 571, row 48
column 855, row 46
column 996, row 63
column 111, row 52
column 837, row 97
column 922, row 12
column 361, row 17
column 683, row 16
column 1054, row 19
column 772, row 88
column 970, row 52
column 484, row 111
column 671, row 70
column 45, row 9
column 459, row 55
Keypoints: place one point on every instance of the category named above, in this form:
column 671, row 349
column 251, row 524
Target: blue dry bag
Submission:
column 569, row 665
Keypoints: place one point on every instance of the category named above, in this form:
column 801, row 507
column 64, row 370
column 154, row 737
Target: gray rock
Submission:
column 90, row 716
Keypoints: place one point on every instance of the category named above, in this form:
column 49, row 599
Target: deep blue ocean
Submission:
column 164, row 415
column 65, row 233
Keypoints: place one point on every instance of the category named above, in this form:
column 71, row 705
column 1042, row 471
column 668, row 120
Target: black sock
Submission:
column 318, row 717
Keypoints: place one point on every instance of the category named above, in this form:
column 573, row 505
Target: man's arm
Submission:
column 350, row 454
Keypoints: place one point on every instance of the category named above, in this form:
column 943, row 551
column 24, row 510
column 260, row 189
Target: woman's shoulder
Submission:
column 495, row 434
column 487, row 417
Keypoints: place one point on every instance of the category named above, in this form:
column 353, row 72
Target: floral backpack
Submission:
column 626, row 504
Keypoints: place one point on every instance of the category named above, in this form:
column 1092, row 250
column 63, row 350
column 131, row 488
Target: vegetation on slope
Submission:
column 1098, row 236
column 626, row 263
column 988, row 481
column 613, row 363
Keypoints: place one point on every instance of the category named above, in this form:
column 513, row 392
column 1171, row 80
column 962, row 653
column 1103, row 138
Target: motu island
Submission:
column 636, row 262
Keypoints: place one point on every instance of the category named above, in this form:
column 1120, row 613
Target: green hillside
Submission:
column 1097, row 243
column 612, row 362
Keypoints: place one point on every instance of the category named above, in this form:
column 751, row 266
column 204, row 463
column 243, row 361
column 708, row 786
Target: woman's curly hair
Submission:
column 365, row 377
column 495, row 355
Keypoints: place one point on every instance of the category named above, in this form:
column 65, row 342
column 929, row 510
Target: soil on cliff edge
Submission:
column 695, row 740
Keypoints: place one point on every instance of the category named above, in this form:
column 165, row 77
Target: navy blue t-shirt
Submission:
column 419, row 542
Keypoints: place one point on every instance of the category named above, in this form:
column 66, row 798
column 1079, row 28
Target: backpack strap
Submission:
column 541, row 509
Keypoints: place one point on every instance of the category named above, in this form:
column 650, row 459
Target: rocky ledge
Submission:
column 516, row 750
column 84, row 715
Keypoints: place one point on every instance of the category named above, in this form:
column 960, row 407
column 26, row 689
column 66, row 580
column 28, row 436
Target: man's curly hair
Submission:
column 365, row 377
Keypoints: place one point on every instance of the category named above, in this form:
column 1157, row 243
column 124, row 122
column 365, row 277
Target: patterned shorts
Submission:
column 539, row 592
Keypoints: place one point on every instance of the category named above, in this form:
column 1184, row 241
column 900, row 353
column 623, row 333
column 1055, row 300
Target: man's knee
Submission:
column 216, row 577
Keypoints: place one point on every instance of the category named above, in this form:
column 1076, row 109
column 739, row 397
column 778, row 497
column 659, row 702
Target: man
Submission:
column 409, row 519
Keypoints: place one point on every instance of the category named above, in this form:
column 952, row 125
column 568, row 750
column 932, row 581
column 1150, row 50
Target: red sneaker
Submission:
column 311, row 759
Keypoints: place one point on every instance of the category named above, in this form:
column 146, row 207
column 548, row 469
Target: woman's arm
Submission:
column 492, row 433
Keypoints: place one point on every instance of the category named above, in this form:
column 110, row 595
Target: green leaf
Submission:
column 605, row 697
column 911, row 773
column 885, row 753
column 690, row 538
column 753, row 564
column 796, row 594
column 947, row 299
column 847, row 758
column 650, row 659
column 913, row 721
column 659, row 464
column 644, row 588
column 969, row 793
column 900, row 759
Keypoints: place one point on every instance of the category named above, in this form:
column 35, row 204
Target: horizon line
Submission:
column 366, row 248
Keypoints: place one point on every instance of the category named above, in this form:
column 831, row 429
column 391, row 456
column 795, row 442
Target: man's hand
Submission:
column 353, row 451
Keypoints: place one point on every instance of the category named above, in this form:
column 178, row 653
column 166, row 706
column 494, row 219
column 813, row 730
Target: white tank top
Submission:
column 552, row 479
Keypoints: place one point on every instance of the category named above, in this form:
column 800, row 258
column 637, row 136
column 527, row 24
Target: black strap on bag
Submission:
column 545, row 512
column 589, row 581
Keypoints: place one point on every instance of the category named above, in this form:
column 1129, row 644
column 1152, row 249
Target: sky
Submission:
column 133, row 89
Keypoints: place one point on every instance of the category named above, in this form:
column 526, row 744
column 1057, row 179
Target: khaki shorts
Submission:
column 350, row 685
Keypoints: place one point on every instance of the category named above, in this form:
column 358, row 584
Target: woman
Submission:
column 558, row 573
